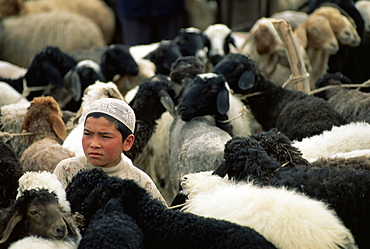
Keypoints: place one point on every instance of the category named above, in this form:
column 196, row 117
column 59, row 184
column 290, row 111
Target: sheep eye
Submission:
column 33, row 212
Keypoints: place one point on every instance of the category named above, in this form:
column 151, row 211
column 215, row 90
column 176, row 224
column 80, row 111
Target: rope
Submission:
column 6, row 136
column 244, row 97
column 365, row 84
column 177, row 206
column 295, row 79
column 27, row 90
column 241, row 113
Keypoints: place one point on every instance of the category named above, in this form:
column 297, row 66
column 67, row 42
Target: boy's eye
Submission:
column 86, row 134
column 106, row 136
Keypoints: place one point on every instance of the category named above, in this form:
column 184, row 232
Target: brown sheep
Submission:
column 318, row 38
column 44, row 120
column 95, row 10
column 36, row 212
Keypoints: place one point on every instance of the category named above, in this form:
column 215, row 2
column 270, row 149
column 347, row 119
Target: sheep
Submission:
column 19, row 46
column 45, row 151
column 293, row 17
column 110, row 227
column 8, row 95
column 352, row 105
column 163, row 56
column 93, row 92
column 219, row 38
column 195, row 145
column 11, row 71
column 37, row 212
column 267, row 49
column 344, row 190
column 31, row 242
column 192, row 42
column 154, row 96
column 48, row 67
column 43, row 180
column 286, row 218
column 210, row 95
column 96, row 10
column 294, row 113
column 154, row 156
column 317, row 36
column 339, row 161
column 166, row 228
column 11, row 124
column 10, row 172
column 350, row 137
column 84, row 74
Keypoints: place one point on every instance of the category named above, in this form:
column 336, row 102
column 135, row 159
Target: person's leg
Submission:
column 167, row 27
column 136, row 31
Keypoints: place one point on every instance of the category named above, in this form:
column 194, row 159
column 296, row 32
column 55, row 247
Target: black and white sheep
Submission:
column 10, row 172
column 84, row 74
column 110, row 227
column 166, row 228
column 219, row 39
column 164, row 55
column 192, row 42
column 346, row 191
column 154, row 96
column 37, row 212
column 47, row 69
column 294, row 113
column 210, row 94
column 45, row 151
column 286, row 218
column 352, row 105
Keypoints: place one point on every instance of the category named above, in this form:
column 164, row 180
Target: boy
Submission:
column 108, row 130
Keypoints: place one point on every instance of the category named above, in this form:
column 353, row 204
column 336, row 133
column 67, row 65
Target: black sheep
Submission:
column 345, row 190
column 294, row 113
column 10, row 172
column 165, row 228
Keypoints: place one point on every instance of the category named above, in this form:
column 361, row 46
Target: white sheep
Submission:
column 286, row 218
column 32, row 242
column 8, row 95
column 20, row 45
column 93, row 92
column 11, row 71
column 340, row 139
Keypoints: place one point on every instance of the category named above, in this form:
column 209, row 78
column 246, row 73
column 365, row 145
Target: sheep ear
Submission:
column 223, row 104
column 167, row 102
column 246, row 80
column 53, row 75
column 301, row 33
column 72, row 82
column 10, row 226
column 58, row 126
column 70, row 226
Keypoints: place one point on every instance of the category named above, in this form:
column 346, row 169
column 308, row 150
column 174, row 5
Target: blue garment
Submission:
column 149, row 8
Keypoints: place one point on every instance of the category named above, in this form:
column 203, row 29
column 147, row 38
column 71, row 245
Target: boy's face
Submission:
column 102, row 142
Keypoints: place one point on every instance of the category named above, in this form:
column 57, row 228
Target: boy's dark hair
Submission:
column 123, row 129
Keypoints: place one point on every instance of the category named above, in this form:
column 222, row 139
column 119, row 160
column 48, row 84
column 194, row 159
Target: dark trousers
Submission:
column 148, row 30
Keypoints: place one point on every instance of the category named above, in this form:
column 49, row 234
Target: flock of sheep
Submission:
column 243, row 159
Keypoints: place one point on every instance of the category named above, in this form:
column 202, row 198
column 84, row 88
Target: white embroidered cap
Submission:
column 116, row 108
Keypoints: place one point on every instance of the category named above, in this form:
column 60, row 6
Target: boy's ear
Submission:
column 129, row 141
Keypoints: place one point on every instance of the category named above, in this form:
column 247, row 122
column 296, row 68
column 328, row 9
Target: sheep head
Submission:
column 37, row 212
column 44, row 112
column 344, row 27
column 208, row 95
column 316, row 33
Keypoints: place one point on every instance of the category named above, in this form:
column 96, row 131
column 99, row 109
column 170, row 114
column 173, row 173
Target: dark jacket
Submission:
column 149, row 8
